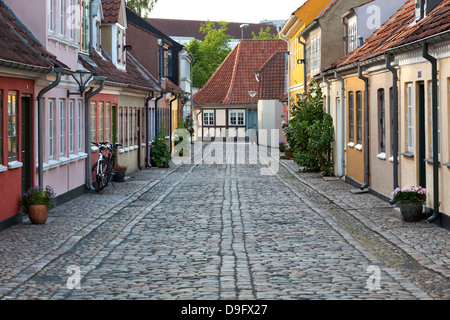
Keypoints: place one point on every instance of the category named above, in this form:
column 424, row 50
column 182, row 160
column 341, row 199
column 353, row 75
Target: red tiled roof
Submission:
column 272, row 78
column 235, row 77
column 19, row 45
column 111, row 10
column 135, row 77
column 191, row 28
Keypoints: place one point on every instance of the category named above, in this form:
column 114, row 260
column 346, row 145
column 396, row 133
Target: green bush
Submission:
column 160, row 152
column 310, row 133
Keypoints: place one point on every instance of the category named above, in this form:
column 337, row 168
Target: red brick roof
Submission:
column 135, row 77
column 18, row 45
column 111, row 10
column 191, row 28
column 272, row 78
column 235, row 77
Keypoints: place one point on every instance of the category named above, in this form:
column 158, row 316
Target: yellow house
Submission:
column 299, row 19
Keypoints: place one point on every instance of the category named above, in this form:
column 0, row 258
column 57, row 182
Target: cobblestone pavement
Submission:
column 225, row 231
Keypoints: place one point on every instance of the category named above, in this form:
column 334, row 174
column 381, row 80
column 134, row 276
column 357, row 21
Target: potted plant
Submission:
column 282, row 146
column 36, row 202
column 288, row 152
column 410, row 200
column 119, row 173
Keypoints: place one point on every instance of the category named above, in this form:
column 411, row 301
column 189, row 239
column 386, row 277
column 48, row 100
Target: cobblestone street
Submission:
column 225, row 231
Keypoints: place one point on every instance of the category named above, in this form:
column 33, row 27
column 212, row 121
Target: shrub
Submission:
column 160, row 152
column 310, row 133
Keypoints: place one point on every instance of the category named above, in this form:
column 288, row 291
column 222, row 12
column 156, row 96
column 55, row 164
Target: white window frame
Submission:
column 80, row 125
column 62, row 127
column 409, row 118
column 236, row 112
column 352, row 36
column 62, row 17
column 51, row 129
column 209, row 119
column 71, row 13
column 71, row 126
column 51, row 16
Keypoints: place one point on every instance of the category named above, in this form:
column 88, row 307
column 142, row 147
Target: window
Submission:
column 71, row 125
column 120, row 44
column 381, row 121
column 108, row 122
column 352, row 36
column 359, row 115
column 237, row 118
column 1, row 126
column 351, row 117
column 431, row 119
column 409, row 118
column 120, row 139
column 62, row 18
column 84, row 26
column 62, row 127
column 168, row 63
column 80, row 125
column 93, row 122
column 51, row 15
column 100, row 122
column 13, row 142
column 71, row 15
column 51, row 129
column 99, row 35
column 315, row 55
column 208, row 118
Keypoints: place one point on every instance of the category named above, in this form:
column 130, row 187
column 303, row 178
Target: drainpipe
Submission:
column 366, row 129
column 434, row 95
column 170, row 122
column 345, row 35
column 147, row 150
column 192, row 98
column 156, row 112
column 394, row 119
column 327, row 83
column 40, row 99
column 343, row 106
column 160, row 45
column 87, row 139
column 305, row 86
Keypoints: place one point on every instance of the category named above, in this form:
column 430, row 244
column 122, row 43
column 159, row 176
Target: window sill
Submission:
column 430, row 161
column 408, row 154
column 381, row 156
column 94, row 149
column 3, row 168
column 64, row 160
column 447, row 164
column 351, row 144
column 358, row 147
column 15, row 165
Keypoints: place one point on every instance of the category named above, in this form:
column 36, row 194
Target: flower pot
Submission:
column 119, row 176
column 38, row 214
column 288, row 155
column 411, row 210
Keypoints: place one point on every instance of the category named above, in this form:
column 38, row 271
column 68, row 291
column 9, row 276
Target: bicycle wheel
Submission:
column 100, row 177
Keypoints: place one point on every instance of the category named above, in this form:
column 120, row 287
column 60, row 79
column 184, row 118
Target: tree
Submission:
column 210, row 53
column 141, row 7
column 265, row 34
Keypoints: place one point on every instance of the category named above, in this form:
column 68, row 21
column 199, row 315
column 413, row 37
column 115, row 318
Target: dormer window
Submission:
column 168, row 63
column 84, row 26
column 62, row 17
column 420, row 9
column 120, row 45
column 352, row 36
column 99, row 35
column 51, row 16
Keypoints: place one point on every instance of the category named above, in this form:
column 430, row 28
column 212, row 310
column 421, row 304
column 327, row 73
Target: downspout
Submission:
column 160, row 45
column 192, row 98
column 394, row 119
column 40, row 99
column 156, row 112
column 434, row 104
column 305, row 86
column 366, row 129
column 343, row 106
column 147, row 138
column 327, row 83
column 170, row 122
column 87, row 139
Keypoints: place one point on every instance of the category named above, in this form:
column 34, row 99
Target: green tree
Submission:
column 310, row 132
column 209, row 53
column 141, row 7
column 265, row 34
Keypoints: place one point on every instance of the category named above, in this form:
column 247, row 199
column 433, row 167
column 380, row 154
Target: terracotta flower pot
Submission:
column 289, row 155
column 38, row 214
column 411, row 210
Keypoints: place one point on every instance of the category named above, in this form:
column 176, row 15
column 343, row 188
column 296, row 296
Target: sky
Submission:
column 249, row 11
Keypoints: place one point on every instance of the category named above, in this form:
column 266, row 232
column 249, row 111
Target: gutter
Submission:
column 87, row 119
column 366, row 129
column 394, row 119
column 343, row 107
column 435, row 115
column 40, row 99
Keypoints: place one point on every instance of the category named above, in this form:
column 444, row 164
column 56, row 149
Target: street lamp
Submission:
column 243, row 26
column 82, row 77
column 252, row 94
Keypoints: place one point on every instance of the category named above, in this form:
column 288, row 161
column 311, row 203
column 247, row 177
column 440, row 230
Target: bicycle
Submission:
column 103, row 169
